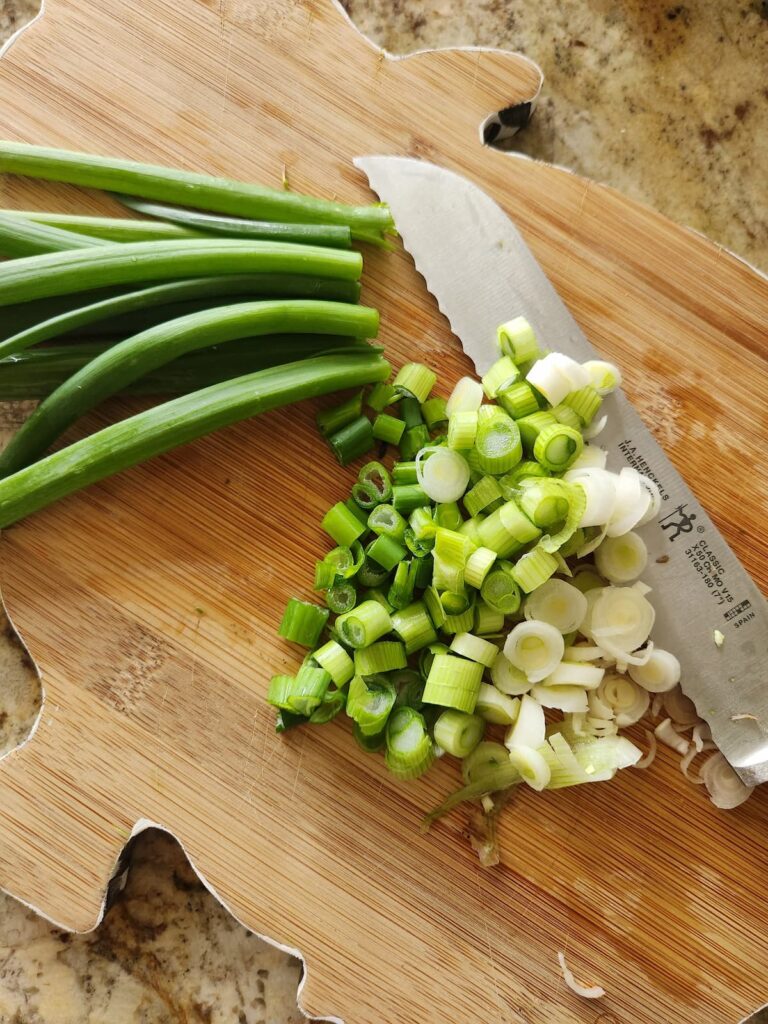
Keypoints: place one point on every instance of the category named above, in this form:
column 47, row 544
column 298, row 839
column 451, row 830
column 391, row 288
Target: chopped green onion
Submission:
column 496, row 707
column 325, row 575
column 336, row 662
column 487, row 619
column 411, row 411
column 585, row 403
column 587, row 579
column 483, row 761
column 605, row 376
column 455, row 602
column 410, row 688
column 427, row 656
column 501, row 777
column 501, row 375
column 462, row 430
column 415, row 379
column 434, row 413
column 403, row 583
column 372, row 574
column 510, row 482
column 360, row 514
column 467, row 396
column 341, row 597
column 442, row 473
column 417, row 547
column 409, row 748
column 333, row 703
column 414, row 627
column 475, row 648
column 533, row 569
column 517, row 340
column 459, row 623
column 423, row 571
column 386, row 521
column 621, row 559
column 453, row 683
column 478, row 566
column 531, row 426
column 338, row 416
column 381, row 396
column 423, row 524
column 507, row 530
column 285, row 720
column 434, row 606
column 373, row 486
column 559, row 603
column 565, row 414
column 302, row 622
column 471, row 529
column 369, row 702
column 458, row 733
column 448, row 515
column 500, row 591
column 364, row 624
column 407, row 497
column 451, row 551
column 346, row 562
column 375, row 594
column 485, row 496
column 352, row 440
column 519, row 400
column 380, row 657
column 342, row 525
column 557, row 446
column 388, row 428
column 509, row 679
column 300, row 694
column 573, row 544
column 370, row 744
column 413, row 440
column 405, row 473
column 498, row 442
column 544, row 501
column 532, row 766
column 386, row 551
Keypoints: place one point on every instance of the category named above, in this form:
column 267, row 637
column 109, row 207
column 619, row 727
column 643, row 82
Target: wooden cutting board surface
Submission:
column 150, row 603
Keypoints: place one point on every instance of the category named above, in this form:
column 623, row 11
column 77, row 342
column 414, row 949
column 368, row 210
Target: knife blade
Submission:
column 478, row 267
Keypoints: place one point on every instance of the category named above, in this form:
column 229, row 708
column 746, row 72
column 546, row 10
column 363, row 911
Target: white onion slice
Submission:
column 624, row 658
column 650, row 757
column 585, row 991
column 595, row 428
column 726, row 790
column 576, row 673
column 670, row 738
column 600, row 488
column 583, row 652
column 559, row 603
column 632, row 503
column 701, row 735
column 653, row 509
column 598, row 707
column 561, row 698
column 604, row 377
column 659, row 674
column 547, row 376
column 590, row 457
column 621, row 559
column 442, row 473
column 536, row 648
column 680, row 708
column 530, row 728
column 685, row 764
column 628, row 701
column 507, row 678
column 621, row 620
column 531, row 765
column 467, row 396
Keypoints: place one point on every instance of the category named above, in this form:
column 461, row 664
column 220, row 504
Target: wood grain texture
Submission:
column 150, row 602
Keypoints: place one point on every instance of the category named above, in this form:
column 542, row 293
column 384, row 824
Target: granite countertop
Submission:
column 669, row 103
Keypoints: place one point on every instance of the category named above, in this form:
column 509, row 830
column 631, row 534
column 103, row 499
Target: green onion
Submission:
column 179, row 421
column 496, row 707
column 407, row 497
column 507, row 530
column 302, row 694
column 427, row 656
column 61, row 273
column 382, row 395
column 458, row 733
column 337, row 235
column 478, row 566
column 545, row 502
column 423, row 524
column 345, row 562
column 585, row 403
column 384, row 656
column 452, row 549
column 410, row 689
column 333, row 703
column 286, row 720
column 200, row 191
column 375, row 594
column 448, row 515
column 341, row 597
column 336, row 662
column 483, row 761
column 487, row 620
column 302, row 622
column 325, row 576
column 510, row 482
column 500, row 591
column 405, row 473
column 423, row 571
column 388, row 428
column 409, row 747
column 475, row 648
column 500, row 375
column 352, row 441
column 453, row 683
column 517, row 340
column 415, row 379
column 519, row 400
column 500, row 777
column 485, row 496
column 112, row 229
column 342, row 524
column 531, row 426
column 364, row 624
column 20, row 237
column 369, row 702
column 373, row 486
column 370, row 744
column 434, row 606
column 413, row 440
column 455, row 602
column 533, row 569
column 565, row 414
column 418, row 547
column 372, row 574
column 471, row 528
column 462, row 430
column 557, row 446
column 434, row 414
column 386, row 521
column 386, row 552
column 338, row 416
column 459, row 623
column 414, row 627
column 359, row 513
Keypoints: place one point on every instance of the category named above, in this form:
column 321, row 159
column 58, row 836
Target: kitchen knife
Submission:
column 482, row 273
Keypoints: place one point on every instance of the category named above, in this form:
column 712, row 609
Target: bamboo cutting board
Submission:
column 150, row 603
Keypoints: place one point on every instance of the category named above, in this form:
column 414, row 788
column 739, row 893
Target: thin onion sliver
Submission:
column 586, row 992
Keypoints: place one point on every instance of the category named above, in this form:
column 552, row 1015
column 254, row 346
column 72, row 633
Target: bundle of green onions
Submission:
column 241, row 304
column 486, row 587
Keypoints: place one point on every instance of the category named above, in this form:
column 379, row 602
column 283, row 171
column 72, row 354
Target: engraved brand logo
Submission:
column 680, row 521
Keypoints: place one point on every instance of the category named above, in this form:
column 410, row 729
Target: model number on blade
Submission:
column 708, row 566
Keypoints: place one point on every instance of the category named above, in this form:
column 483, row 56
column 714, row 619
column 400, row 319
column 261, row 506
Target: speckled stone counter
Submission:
column 668, row 102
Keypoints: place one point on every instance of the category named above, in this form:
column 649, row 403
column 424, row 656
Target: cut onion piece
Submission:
column 548, row 377
column 650, row 757
column 442, row 473
column 559, row 603
column 595, row 428
column 561, row 698
column 653, row 490
column 536, row 648
column 590, row 457
column 628, row 701
column 632, row 503
column 621, row 559
column 530, row 728
column 583, row 652
column 659, row 674
column 467, row 396
column 726, row 790
column 576, row 673
column 531, row 765
column 685, row 764
column 600, row 488
column 680, row 708
column 585, row 991
column 621, row 620
column 656, row 705
column 670, row 738
column 701, row 735
column 604, row 377
column 507, row 678
column 598, row 707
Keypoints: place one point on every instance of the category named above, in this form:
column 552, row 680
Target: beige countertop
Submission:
column 669, row 103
